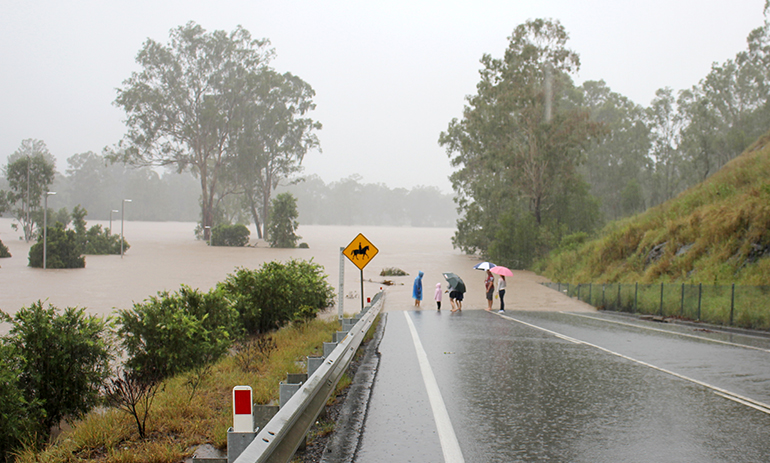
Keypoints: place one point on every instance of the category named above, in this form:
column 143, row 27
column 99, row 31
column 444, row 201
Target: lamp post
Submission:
column 209, row 229
column 122, row 214
column 45, row 229
column 113, row 210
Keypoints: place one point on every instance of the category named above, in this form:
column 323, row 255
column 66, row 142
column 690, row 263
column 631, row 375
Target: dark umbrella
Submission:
column 455, row 283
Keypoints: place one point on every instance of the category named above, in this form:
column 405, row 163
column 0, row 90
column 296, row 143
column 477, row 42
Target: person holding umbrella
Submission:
column 456, row 290
column 489, row 288
column 501, row 283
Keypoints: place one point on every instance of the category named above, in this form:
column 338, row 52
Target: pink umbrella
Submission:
column 500, row 270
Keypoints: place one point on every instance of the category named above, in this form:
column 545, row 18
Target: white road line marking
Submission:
column 446, row 433
column 763, row 407
column 667, row 331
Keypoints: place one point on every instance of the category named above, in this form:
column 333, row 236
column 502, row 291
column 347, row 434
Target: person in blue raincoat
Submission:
column 417, row 289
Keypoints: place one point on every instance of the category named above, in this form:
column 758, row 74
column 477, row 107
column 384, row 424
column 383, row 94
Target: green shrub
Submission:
column 94, row 240
column 172, row 333
column 14, row 412
column 62, row 248
column 276, row 293
column 230, row 235
column 62, row 361
column 4, row 252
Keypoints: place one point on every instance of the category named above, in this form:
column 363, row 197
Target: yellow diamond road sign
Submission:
column 360, row 251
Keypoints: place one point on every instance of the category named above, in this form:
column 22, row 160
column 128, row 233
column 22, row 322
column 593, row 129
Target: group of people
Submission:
column 456, row 297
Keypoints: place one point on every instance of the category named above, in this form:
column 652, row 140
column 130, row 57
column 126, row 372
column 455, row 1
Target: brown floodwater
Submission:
column 165, row 255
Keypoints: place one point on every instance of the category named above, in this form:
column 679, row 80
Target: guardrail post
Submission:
column 313, row 363
column 339, row 336
column 681, row 308
column 329, row 348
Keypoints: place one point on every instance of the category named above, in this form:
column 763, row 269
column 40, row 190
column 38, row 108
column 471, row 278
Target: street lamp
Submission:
column 209, row 229
column 114, row 210
column 122, row 214
column 45, row 229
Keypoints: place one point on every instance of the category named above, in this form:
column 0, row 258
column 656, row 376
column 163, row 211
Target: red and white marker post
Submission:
column 243, row 410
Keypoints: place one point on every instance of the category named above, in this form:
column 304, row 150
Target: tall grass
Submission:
column 708, row 234
column 181, row 419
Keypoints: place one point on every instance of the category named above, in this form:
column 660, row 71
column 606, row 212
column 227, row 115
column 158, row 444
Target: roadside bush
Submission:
column 13, row 408
column 61, row 360
column 63, row 250
column 276, row 293
column 172, row 333
column 230, row 235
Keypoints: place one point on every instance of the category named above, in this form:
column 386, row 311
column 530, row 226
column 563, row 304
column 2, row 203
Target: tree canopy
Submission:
column 518, row 145
column 208, row 102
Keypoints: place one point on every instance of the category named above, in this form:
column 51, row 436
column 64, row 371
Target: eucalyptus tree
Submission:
column 665, row 129
column 185, row 107
column 619, row 160
column 30, row 171
column 274, row 138
column 520, row 139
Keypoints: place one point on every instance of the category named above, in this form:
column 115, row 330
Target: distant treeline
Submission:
column 350, row 202
column 100, row 187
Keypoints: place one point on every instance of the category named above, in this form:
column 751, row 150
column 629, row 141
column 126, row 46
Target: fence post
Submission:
column 603, row 288
column 636, row 298
column 590, row 292
column 619, row 304
column 732, row 304
column 681, row 308
column 579, row 285
column 700, row 293
column 661, row 299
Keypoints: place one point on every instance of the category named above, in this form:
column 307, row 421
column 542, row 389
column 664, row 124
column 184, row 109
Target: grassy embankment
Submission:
column 184, row 416
column 716, row 233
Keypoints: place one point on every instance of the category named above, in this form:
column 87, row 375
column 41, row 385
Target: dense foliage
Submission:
column 278, row 293
column 60, row 360
column 517, row 148
column 14, row 410
column 532, row 174
column 283, row 222
column 230, row 235
column 62, row 248
column 94, row 240
column 173, row 332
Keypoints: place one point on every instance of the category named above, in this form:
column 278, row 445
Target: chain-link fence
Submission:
column 733, row 305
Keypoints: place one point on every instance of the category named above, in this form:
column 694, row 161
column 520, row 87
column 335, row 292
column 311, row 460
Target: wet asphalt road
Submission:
column 538, row 386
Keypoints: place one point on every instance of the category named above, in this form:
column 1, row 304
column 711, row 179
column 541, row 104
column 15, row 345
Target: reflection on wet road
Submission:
column 537, row 386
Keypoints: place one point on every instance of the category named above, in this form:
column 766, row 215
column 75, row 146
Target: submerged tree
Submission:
column 206, row 99
column 30, row 172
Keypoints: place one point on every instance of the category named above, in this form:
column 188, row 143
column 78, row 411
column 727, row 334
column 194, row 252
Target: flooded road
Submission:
column 549, row 386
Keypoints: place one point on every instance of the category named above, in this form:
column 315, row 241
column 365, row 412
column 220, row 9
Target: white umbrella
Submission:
column 484, row 266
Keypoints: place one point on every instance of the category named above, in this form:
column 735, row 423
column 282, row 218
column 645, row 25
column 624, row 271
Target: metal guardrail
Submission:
column 279, row 439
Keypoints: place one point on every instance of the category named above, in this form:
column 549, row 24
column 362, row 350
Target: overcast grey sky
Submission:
column 389, row 75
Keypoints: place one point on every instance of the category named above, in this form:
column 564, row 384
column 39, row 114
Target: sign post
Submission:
column 341, row 295
column 360, row 251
